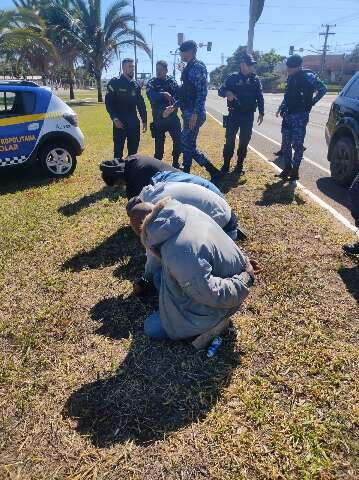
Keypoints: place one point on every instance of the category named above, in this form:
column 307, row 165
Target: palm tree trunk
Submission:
column 72, row 94
column 99, row 88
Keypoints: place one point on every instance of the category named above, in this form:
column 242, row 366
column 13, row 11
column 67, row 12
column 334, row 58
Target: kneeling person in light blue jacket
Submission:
column 205, row 276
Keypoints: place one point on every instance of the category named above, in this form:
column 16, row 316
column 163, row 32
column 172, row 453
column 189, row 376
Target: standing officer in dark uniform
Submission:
column 298, row 101
column 162, row 91
column 123, row 99
column 192, row 99
column 244, row 94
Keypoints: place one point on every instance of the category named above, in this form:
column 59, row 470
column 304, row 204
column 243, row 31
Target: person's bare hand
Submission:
column 167, row 111
column 260, row 119
column 277, row 114
column 193, row 121
column 255, row 265
column 252, row 267
column 231, row 96
column 118, row 123
column 168, row 97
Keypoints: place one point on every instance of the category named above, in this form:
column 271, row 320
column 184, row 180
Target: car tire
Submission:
column 58, row 159
column 343, row 161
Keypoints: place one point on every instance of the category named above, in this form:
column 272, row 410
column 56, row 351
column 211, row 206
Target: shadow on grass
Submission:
column 122, row 316
column 112, row 194
column 23, row 178
column 229, row 181
column 159, row 388
column 280, row 193
column 350, row 277
column 123, row 243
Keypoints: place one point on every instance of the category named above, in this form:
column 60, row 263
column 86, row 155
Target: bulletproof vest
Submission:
column 245, row 88
column 299, row 93
column 188, row 91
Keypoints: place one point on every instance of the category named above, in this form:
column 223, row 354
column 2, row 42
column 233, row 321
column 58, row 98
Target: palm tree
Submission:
column 23, row 36
column 65, row 35
column 102, row 40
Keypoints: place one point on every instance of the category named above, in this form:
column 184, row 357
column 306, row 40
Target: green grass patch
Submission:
column 84, row 395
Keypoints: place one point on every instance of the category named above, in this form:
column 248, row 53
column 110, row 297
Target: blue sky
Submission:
column 225, row 23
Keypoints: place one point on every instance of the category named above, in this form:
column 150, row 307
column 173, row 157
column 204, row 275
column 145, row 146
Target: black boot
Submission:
column 175, row 164
column 294, row 174
column 239, row 170
column 213, row 171
column 279, row 153
column 186, row 169
column 285, row 173
column 226, row 165
column 351, row 249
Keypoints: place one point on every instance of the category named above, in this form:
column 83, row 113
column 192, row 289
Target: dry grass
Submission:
column 85, row 396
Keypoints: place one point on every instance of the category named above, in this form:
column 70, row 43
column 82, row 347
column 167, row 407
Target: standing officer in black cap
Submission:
column 244, row 94
column 123, row 99
column 162, row 91
column 192, row 100
column 298, row 101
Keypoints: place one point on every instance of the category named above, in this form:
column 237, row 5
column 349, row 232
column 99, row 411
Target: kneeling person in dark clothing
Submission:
column 162, row 91
column 139, row 171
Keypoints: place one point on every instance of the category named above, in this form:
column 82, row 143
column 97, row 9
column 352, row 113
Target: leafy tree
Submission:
column 99, row 40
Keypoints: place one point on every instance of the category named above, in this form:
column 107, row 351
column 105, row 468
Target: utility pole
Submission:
column 152, row 25
column 325, row 46
column 134, row 35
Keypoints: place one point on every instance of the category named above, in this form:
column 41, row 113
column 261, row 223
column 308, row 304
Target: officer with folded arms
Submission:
column 162, row 91
column 123, row 100
column 243, row 91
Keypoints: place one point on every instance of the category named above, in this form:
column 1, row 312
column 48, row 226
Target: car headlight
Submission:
column 72, row 119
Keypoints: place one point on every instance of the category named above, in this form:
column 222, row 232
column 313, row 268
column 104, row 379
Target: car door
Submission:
column 347, row 105
column 18, row 134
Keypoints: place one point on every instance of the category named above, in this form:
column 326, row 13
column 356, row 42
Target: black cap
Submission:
column 188, row 45
column 294, row 61
column 247, row 58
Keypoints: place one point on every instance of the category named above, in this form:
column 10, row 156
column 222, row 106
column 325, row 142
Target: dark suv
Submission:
column 342, row 134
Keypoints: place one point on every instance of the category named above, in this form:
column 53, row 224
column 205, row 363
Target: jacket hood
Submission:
column 166, row 220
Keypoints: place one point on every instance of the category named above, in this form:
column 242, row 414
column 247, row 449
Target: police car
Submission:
column 36, row 126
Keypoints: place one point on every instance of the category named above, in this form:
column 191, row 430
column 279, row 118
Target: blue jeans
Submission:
column 153, row 327
column 189, row 141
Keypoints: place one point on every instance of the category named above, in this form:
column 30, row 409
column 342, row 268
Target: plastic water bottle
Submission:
column 213, row 348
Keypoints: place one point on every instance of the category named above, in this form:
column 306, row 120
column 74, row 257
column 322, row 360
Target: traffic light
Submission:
column 291, row 50
column 209, row 46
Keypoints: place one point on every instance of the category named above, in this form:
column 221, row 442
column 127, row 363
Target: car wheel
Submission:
column 343, row 161
column 58, row 159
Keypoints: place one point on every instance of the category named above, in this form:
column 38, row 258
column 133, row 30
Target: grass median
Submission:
column 84, row 395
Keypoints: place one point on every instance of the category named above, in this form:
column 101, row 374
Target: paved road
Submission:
column 315, row 173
